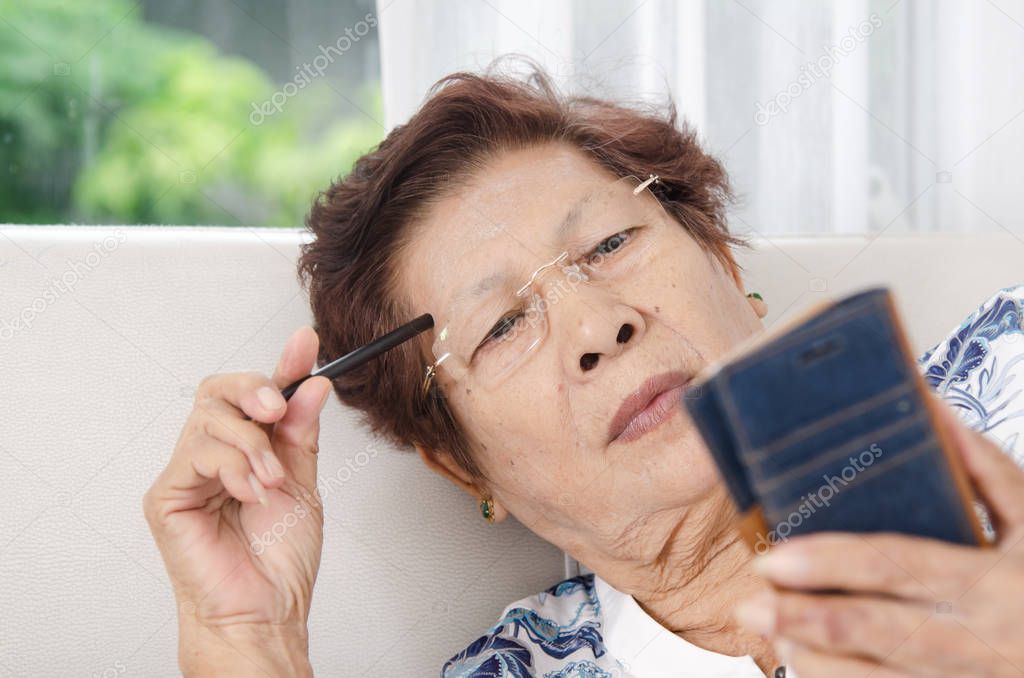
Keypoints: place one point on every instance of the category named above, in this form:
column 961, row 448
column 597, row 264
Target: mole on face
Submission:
column 657, row 309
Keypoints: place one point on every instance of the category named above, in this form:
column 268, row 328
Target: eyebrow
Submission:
column 563, row 232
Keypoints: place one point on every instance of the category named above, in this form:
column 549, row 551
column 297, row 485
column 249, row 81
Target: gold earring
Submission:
column 487, row 509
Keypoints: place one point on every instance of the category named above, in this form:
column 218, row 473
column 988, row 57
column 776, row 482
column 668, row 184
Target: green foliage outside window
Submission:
column 105, row 118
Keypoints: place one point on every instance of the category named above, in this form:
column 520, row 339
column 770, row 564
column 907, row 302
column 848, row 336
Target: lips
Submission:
column 646, row 407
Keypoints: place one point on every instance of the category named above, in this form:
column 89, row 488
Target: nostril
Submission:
column 588, row 361
column 624, row 333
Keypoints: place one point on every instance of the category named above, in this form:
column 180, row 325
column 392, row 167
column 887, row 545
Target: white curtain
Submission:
column 879, row 116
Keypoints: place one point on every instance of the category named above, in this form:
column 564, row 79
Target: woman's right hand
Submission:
column 238, row 520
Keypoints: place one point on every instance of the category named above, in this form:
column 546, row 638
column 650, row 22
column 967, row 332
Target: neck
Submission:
column 692, row 583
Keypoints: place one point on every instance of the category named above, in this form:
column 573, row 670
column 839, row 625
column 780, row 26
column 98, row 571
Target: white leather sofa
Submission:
column 115, row 327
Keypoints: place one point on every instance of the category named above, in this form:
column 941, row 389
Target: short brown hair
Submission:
column 361, row 221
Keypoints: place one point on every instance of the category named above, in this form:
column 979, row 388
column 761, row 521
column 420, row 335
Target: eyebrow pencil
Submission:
column 366, row 353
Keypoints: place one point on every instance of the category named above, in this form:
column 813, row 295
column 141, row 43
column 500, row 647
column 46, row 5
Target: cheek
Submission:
column 516, row 430
column 693, row 294
column 699, row 468
column 683, row 475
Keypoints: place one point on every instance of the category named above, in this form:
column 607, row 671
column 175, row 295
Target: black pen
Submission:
column 366, row 353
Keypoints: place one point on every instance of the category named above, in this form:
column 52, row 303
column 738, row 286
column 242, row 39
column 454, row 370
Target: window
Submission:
column 847, row 116
column 182, row 111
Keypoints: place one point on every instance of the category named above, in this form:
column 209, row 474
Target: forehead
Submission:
column 500, row 214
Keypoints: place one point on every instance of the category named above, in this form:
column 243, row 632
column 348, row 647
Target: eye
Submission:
column 609, row 245
column 503, row 326
column 500, row 329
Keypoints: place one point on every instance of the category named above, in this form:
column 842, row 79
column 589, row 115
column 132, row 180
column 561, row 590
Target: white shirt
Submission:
column 646, row 649
column 584, row 628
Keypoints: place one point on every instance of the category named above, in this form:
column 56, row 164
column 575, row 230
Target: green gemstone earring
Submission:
column 487, row 509
column 755, row 295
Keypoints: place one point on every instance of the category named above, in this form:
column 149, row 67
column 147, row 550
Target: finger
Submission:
column 295, row 437
column 859, row 625
column 226, row 463
column 297, row 360
column 885, row 563
column 298, row 357
column 225, row 422
column 996, row 476
column 201, row 468
column 805, row 662
column 253, row 393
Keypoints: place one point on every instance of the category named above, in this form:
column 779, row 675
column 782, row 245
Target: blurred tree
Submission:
column 106, row 118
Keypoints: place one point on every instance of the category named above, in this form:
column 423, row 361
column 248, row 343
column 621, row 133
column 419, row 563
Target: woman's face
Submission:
column 542, row 437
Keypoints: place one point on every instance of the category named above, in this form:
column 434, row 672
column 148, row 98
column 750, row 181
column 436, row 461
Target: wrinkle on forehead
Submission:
column 490, row 215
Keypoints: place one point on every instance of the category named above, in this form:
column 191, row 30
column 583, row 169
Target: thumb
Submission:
column 296, row 434
column 998, row 479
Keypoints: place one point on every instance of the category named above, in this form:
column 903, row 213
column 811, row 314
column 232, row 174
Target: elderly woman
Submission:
column 577, row 261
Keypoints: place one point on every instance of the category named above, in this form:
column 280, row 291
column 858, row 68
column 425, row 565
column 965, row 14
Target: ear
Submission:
column 445, row 466
column 759, row 305
column 732, row 270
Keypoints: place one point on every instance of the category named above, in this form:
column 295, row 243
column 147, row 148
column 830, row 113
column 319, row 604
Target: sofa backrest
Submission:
column 105, row 333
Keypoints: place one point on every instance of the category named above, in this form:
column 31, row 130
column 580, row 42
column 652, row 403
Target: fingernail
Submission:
column 293, row 338
column 261, row 492
column 757, row 613
column 273, row 465
column 783, row 650
column 781, row 566
column 323, row 401
column 270, row 398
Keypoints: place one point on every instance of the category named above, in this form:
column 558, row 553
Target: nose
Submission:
column 598, row 327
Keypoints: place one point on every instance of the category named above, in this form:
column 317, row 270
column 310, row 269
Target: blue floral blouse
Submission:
column 584, row 628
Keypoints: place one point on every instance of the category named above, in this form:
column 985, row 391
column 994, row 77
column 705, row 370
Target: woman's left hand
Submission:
column 903, row 606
